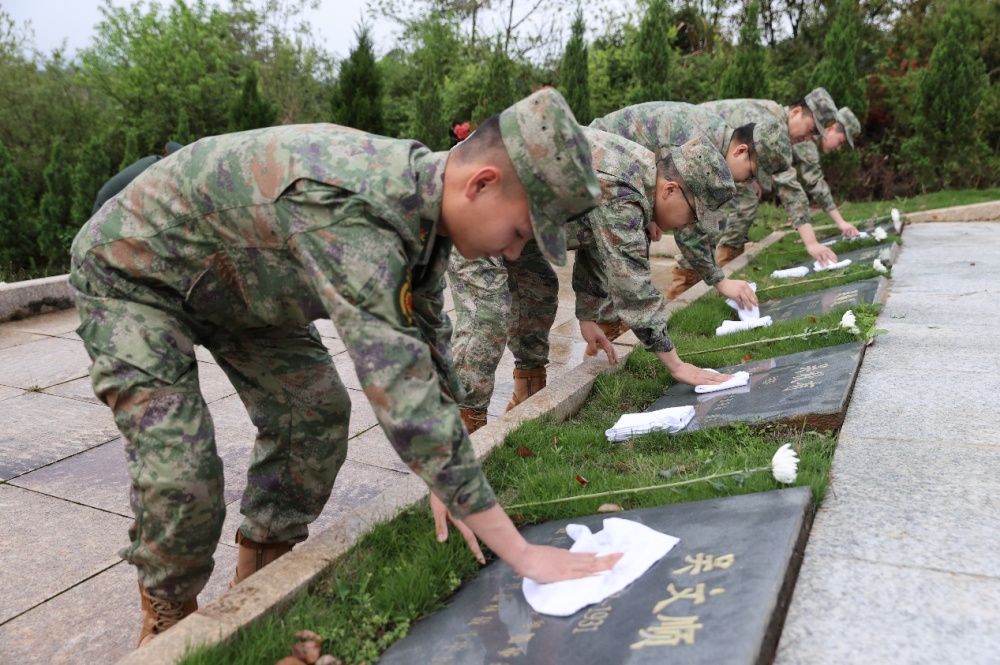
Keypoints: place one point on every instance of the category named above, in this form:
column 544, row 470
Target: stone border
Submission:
column 276, row 586
column 19, row 300
column 975, row 212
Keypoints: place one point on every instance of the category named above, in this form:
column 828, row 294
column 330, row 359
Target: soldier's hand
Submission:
column 597, row 340
column 654, row 232
column 848, row 229
column 739, row 291
column 441, row 518
column 545, row 564
column 695, row 376
column 824, row 255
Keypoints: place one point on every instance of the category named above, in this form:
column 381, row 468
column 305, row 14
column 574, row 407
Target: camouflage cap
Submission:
column 705, row 172
column 852, row 127
column 823, row 108
column 552, row 158
column 772, row 145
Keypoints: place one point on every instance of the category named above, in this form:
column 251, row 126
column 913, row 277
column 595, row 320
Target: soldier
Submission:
column 806, row 155
column 121, row 180
column 514, row 301
column 237, row 243
column 659, row 125
column 798, row 122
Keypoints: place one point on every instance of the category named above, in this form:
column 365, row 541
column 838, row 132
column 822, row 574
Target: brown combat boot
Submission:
column 683, row 280
column 160, row 615
column 612, row 331
column 473, row 418
column 527, row 382
column 253, row 556
column 725, row 254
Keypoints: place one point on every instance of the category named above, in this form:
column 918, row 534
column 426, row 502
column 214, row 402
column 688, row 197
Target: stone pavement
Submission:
column 903, row 563
column 65, row 596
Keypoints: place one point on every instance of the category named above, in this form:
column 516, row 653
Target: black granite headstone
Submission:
column 811, row 387
column 719, row 596
column 886, row 251
column 866, row 291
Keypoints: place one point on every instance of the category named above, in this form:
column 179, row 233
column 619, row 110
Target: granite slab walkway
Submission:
column 65, row 596
column 903, row 563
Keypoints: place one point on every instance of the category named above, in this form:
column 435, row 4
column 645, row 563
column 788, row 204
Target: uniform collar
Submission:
column 430, row 187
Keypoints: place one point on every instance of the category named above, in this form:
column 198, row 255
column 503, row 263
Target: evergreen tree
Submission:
column 183, row 134
column 15, row 238
column 746, row 77
column 432, row 62
column 250, row 110
column 653, row 54
column 131, row 155
column 55, row 225
column 497, row 92
column 356, row 100
column 89, row 175
column 573, row 77
column 837, row 71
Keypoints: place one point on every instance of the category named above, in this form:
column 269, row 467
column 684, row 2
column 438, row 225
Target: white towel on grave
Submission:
column 739, row 380
column 800, row 271
column 642, row 547
column 670, row 420
column 861, row 236
column 729, row 327
column 745, row 314
column 833, row 266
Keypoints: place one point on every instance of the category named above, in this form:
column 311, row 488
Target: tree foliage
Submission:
column 574, row 74
column 55, row 224
column 16, row 238
column 357, row 99
column 497, row 92
column 746, row 75
column 89, row 175
column 653, row 54
column 837, row 71
column 250, row 110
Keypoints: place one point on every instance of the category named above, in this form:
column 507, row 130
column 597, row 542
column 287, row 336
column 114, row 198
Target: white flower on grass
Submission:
column 880, row 233
column 849, row 323
column 885, row 254
column 878, row 265
column 785, row 464
column 897, row 221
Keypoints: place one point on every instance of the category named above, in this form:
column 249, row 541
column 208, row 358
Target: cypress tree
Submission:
column 15, row 237
column 837, row 71
column 356, row 100
column 89, row 175
column 431, row 62
column 55, row 225
column 497, row 92
column 250, row 110
column 183, row 134
column 653, row 54
column 745, row 77
column 573, row 76
column 131, row 155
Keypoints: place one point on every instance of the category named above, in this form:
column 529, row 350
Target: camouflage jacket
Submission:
column 806, row 159
column 738, row 112
column 612, row 259
column 285, row 225
column 659, row 125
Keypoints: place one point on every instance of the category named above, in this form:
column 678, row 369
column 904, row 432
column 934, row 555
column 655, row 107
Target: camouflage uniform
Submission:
column 237, row 243
column 611, row 275
column 806, row 160
column 777, row 170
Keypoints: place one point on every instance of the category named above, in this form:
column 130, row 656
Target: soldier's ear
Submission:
column 665, row 188
column 482, row 180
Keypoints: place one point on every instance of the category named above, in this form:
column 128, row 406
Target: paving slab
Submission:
column 72, row 628
column 717, row 597
column 52, row 324
column 7, row 392
column 48, row 544
column 938, row 309
column 31, row 438
column 10, row 336
column 949, row 344
column 851, row 612
column 811, row 387
column 372, row 447
column 43, row 363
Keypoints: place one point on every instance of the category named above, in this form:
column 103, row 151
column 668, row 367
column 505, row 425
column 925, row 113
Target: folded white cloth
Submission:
column 642, row 547
column 729, row 327
column 833, row 266
column 745, row 314
column 671, row 420
column 800, row 271
column 739, row 379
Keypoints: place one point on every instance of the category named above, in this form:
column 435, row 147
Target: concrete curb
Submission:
column 976, row 212
column 19, row 300
column 276, row 586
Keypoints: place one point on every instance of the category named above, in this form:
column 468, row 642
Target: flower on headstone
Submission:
column 897, row 221
column 785, row 464
column 849, row 323
column 880, row 233
column 879, row 266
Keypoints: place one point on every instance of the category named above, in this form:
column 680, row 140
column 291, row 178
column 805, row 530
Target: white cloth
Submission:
column 671, row 420
column 739, row 380
column 729, row 327
column 833, row 266
column 800, row 271
column 745, row 314
column 642, row 547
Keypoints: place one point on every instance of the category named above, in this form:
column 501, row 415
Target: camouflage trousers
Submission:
column 144, row 368
column 500, row 303
column 740, row 213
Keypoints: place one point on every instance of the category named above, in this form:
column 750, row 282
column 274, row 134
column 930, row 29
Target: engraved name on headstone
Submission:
column 825, row 301
column 811, row 387
column 719, row 596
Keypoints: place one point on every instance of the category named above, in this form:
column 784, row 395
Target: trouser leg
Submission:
column 534, row 299
column 740, row 214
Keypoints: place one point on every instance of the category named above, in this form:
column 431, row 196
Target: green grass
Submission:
column 398, row 572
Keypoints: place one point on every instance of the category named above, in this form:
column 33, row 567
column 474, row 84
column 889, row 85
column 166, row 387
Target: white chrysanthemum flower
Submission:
column 897, row 221
column 878, row 265
column 849, row 323
column 885, row 254
column 880, row 233
column 785, row 464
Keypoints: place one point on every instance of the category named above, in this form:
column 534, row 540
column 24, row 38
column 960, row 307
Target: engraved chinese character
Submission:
column 523, row 638
column 769, row 380
column 670, row 632
column 479, row 621
column 813, row 368
column 509, row 652
column 695, row 593
column 797, row 386
column 705, row 562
